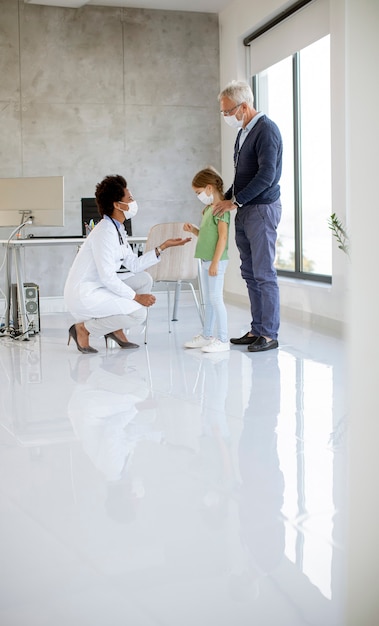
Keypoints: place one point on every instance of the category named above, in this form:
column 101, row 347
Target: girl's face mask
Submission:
column 204, row 198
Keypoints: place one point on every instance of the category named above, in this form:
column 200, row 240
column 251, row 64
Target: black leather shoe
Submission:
column 261, row 345
column 246, row 340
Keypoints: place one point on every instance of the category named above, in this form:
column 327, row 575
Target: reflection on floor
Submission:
column 164, row 486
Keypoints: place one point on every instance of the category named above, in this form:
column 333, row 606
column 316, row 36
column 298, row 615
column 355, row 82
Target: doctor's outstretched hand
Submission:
column 170, row 243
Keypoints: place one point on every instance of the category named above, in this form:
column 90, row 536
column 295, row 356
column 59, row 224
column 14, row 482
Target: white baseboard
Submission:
column 55, row 304
column 52, row 304
column 297, row 316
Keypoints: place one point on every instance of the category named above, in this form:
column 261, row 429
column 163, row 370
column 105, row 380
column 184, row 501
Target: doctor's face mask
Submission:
column 131, row 211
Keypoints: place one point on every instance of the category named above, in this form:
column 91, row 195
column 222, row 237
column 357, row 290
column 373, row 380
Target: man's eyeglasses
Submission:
column 230, row 110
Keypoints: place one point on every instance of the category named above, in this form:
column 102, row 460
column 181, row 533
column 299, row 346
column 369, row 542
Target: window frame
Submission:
column 297, row 272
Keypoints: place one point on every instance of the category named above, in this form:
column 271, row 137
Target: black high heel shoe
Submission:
column 72, row 333
column 120, row 342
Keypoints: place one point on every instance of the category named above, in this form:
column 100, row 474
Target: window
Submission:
column 295, row 93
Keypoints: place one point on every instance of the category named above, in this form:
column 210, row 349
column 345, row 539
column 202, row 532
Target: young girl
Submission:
column 212, row 249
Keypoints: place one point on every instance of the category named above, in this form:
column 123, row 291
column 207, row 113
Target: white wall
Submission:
column 362, row 97
column 311, row 302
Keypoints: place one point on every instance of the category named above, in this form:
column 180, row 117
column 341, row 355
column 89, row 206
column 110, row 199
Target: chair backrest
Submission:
column 177, row 263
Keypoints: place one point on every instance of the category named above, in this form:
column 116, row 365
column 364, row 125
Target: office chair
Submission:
column 177, row 266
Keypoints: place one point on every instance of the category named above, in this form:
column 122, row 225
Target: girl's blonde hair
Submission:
column 209, row 176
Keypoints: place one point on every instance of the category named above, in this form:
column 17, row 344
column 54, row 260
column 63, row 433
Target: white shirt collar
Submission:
column 248, row 127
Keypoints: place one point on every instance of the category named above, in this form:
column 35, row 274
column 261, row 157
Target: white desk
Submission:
column 13, row 253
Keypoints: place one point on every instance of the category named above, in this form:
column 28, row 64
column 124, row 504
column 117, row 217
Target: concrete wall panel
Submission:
column 10, row 139
column 70, row 55
column 9, row 51
column 171, row 58
column 95, row 91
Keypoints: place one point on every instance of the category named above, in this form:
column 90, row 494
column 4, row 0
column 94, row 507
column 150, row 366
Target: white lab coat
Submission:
column 93, row 288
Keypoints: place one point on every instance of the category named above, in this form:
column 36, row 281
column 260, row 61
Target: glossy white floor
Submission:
column 163, row 486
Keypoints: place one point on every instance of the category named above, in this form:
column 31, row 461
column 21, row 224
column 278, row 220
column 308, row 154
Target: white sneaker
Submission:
column 198, row 342
column 216, row 346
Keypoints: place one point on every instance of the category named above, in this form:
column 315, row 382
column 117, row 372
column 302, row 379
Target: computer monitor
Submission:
column 90, row 212
column 39, row 197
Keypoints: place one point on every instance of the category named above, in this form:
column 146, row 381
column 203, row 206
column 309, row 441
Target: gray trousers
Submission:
column 100, row 326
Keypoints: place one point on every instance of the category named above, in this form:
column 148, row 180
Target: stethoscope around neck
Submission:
column 120, row 239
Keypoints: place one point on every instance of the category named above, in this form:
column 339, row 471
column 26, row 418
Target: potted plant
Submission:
column 339, row 233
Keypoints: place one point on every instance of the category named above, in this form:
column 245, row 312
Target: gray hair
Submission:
column 238, row 91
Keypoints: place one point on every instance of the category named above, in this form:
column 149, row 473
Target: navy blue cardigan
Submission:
column 258, row 165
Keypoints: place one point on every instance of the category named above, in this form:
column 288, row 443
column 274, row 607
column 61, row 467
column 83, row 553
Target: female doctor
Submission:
column 100, row 301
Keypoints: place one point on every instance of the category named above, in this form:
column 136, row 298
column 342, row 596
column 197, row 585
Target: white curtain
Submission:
column 296, row 32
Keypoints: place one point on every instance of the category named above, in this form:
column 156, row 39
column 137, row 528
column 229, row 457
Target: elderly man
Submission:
column 255, row 193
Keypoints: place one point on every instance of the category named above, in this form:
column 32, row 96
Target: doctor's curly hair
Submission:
column 110, row 190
